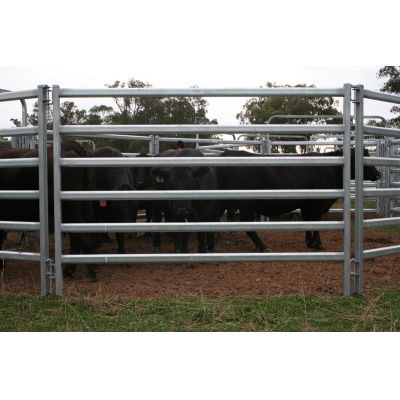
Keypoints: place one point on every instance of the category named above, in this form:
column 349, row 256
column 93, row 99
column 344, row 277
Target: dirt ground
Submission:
column 215, row 279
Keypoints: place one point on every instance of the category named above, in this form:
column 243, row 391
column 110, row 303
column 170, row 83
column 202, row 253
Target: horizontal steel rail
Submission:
column 19, row 95
column 192, row 129
column 19, row 255
column 201, row 194
column 21, row 131
column 381, row 192
column 199, row 257
column 199, row 161
column 381, row 251
column 113, row 136
column 197, row 92
column 19, row 194
column 391, row 98
column 377, row 131
column 19, row 226
column 19, row 162
column 202, row 226
column 372, row 223
column 389, row 162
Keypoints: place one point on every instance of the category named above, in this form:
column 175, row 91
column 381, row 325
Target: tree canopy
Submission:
column 260, row 110
column 132, row 110
column 392, row 85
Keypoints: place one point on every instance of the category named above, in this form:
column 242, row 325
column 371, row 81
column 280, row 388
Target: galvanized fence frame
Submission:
column 361, row 193
column 59, row 131
column 42, row 96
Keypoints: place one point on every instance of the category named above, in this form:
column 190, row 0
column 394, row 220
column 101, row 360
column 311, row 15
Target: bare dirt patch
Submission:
column 215, row 279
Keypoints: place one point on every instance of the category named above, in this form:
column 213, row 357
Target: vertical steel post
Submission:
column 57, row 191
column 151, row 145
column 347, row 189
column 43, row 100
column 156, row 144
column 359, row 194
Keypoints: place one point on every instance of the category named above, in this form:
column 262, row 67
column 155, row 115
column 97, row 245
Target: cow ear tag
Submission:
column 159, row 179
column 103, row 203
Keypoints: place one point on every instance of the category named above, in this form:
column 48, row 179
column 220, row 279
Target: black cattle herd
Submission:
column 169, row 178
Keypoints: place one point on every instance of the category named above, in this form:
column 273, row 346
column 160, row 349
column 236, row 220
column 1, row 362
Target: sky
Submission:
column 176, row 43
column 216, row 44
column 223, row 109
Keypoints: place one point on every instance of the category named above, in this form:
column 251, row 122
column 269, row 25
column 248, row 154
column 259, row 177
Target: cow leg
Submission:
column 260, row 245
column 121, row 242
column 157, row 217
column 185, row 242
column 317, row 241
column 201, row 238
column 181, row 242
column 310, row 239
column 313, row 238
column 149, row 218
column 210, row 241
column 81, row 243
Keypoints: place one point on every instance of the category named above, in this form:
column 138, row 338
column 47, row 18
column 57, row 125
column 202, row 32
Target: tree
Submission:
column 260, row 110
column 132, row 110
column 392, row 85
column 157, row 110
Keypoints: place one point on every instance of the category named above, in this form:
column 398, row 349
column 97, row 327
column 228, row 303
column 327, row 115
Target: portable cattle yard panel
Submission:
column 151, row 134
column 59, row 131
column 41, row 94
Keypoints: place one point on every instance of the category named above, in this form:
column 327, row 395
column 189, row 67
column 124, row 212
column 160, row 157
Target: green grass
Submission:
column 376, row 312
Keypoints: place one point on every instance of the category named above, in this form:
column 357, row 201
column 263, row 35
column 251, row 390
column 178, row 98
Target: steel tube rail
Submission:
column 19, row 255
column 192, row 129
column 388, row 162
column 19, row 194
column 19, row 162
column 377, row 222
column 113, row 136
column 202, row 226
column 198, row 161
column 201, row 194
column 19, row 226
column 381, row 192
column 18, row 95
column 381, row 251
column 391, row 98
column 377, row 131
column 199, row 257
column 197, row 92
column 21, row 131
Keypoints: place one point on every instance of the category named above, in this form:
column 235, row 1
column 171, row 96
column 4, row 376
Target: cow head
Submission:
column 370, row 172
column 142, row 175
column 179, row 178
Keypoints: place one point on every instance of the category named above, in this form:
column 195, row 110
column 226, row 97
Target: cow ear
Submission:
column 200, row 171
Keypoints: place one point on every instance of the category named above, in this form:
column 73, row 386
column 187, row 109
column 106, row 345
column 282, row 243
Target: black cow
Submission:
column 189, row 178
column 114, row 178
column 285, row 177
column 19, row 178
column 155, row 209
column 143, row 180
